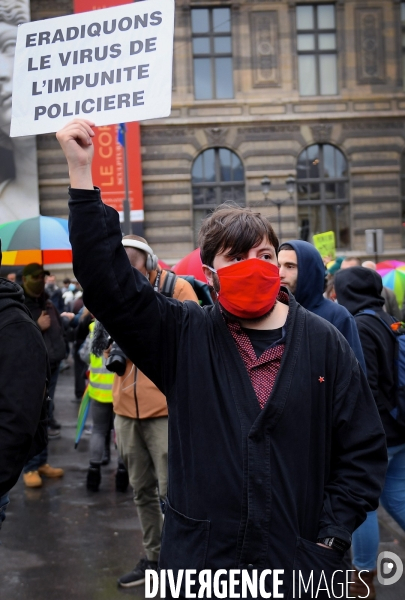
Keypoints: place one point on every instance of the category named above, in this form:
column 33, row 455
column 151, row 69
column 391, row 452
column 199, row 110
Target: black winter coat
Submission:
column 248, row 488
column 358, row 289
column 23, row 375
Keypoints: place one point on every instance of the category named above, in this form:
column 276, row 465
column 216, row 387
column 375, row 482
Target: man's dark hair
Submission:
column 286, row 247
column 233, row 228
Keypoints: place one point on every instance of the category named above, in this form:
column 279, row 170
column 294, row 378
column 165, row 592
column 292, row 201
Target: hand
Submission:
column 76, row 142
column 44, row 321
column 324, row 546
column 68, row 315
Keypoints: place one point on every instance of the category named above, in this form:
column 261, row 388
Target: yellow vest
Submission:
column 101, row 380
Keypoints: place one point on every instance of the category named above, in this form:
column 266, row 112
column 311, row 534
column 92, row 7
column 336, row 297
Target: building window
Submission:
column 212, row 53
column 322, row 186
column 317, row 52
column 217, row 176
column 403, row 198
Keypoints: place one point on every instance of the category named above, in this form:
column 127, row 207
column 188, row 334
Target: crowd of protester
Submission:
column 296, row 348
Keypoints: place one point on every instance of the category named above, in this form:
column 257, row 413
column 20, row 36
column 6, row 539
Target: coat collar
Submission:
column 253, row 418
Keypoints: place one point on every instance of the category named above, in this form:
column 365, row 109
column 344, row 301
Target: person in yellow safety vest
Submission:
column 100, row 391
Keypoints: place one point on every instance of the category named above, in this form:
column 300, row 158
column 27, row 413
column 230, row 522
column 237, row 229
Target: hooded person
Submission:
column 390, row 302
column 23, row 377
column 302, row 271
column 359, row 289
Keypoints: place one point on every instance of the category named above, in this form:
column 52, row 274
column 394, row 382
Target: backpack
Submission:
column 397, row 410
column 201, row 289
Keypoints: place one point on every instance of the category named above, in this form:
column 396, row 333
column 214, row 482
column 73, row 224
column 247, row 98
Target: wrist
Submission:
column 334, row 543
column 81, row 177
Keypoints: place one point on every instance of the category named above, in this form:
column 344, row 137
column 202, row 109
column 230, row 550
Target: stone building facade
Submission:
column 277, row 88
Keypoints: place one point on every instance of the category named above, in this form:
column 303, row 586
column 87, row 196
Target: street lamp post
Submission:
column 290, row 186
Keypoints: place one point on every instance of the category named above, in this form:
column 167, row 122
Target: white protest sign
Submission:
column 112, row 65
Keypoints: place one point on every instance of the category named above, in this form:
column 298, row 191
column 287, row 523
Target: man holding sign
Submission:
column 271, row 420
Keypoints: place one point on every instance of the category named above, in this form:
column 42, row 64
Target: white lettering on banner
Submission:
column 112, row 65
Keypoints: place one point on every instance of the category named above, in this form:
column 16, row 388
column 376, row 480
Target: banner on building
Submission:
column 113, row 65
column 18, row 157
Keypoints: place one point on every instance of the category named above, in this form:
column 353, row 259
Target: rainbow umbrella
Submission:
column 44, row 240
column 82, row 416
column 385, row 267
column 390, row 264
column 395, row 280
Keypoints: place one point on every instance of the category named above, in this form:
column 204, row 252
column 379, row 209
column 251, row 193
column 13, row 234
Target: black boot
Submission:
column 106, row 456
column 93, row 478
column 121, row 479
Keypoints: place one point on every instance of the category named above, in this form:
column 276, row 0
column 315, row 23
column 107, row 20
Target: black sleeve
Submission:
column 370, row 344
column 358, row 453
column 23, row 371
column 146, row 325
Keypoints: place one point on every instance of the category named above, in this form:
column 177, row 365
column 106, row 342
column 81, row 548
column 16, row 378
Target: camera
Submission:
column 117, row 361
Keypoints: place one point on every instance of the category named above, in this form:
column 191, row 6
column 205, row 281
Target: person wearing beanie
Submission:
column 23, row 376
column 336, row 265
column 49, row 322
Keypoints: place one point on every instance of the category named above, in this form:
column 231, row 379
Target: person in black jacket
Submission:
column 276, row 449
column 49, row 321
column 23, row 378
column 359, row 289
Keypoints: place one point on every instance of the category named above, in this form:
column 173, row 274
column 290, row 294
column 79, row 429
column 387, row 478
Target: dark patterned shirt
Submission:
column 263, row 370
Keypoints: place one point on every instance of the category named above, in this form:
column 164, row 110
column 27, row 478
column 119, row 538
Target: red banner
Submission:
column 108, row 163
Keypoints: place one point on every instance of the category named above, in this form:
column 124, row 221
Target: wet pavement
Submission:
column 62, row 542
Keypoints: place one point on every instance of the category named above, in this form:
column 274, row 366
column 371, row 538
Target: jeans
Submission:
column 142, row 444
column 42, row 458
column 102, row 413
column 37, row 461
column 52, row 387
column 366, row 538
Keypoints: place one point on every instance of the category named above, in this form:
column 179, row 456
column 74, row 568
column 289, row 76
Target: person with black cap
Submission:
column 49, row 321
column 359, row 289
column 23, row 377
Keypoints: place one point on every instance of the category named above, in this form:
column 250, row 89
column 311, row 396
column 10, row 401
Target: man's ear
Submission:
column 209, row 276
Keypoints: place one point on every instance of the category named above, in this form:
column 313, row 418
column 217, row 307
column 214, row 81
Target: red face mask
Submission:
column 249, row 288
